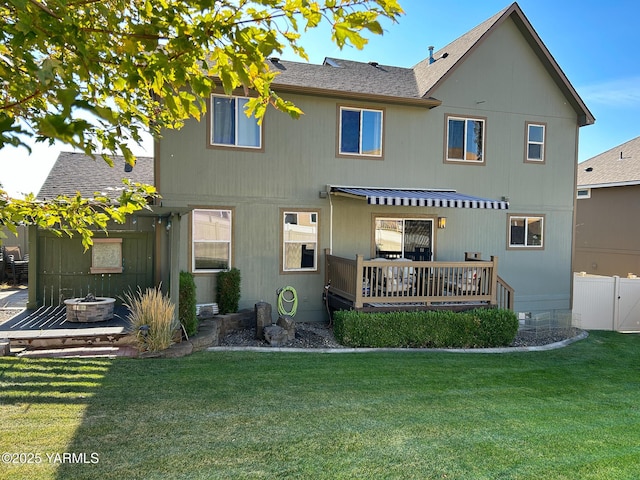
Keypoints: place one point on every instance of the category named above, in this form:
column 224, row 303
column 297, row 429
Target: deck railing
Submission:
column 505, row 294
column 402, row 281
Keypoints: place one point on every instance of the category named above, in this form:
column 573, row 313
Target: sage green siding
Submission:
column 64, row 268
column 502, row 80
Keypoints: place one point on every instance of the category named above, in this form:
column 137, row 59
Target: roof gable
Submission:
column 617, row 166
column 77, row 172
column 429, row 75
column 417, row 85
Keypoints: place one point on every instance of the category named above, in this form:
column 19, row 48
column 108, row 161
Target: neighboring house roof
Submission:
column 416, row 85
column 618, row 166
column 76, row 172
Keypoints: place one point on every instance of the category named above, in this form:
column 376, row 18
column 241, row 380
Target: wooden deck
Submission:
column 391, row 285
column 47, row 327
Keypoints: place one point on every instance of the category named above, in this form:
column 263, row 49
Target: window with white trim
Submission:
column 211, row 240
column 526, row 231
column 583, row 193
column 299, row 241
column 465, row 139
column 360, row 132
column 230, row 126
column 535, row 142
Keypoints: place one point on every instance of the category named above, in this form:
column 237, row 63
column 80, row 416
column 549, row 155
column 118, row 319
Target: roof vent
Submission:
column 331, row 62
column 588, row 169
column 128, row 167
column 374, row 64
column 275, row 60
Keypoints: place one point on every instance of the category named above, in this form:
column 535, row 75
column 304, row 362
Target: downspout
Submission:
column 330, row 222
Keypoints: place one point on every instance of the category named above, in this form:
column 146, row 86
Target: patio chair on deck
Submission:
column 394, row 278
column 467, row 283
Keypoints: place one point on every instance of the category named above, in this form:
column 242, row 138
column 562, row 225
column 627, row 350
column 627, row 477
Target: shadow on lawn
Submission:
column 197, row 415
column 52, row 381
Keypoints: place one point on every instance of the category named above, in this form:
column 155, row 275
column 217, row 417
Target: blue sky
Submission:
column 595, row 43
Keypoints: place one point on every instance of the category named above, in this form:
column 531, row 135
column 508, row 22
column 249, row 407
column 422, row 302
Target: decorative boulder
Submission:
column 275, row 335
column 289, row 325
column 263, row 318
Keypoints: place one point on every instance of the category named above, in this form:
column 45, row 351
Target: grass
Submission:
column 563, row 414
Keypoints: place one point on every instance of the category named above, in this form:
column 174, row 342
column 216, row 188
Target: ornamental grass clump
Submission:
column 151, row 315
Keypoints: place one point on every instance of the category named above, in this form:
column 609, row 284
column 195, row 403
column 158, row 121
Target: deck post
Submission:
column 494, row 281
column 357, row 303
column 326, row 266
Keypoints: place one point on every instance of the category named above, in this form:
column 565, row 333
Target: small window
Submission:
column 526, row 231
column 299, row 241
column 535, row 149
column 211, row 240
column 230, row 126
column 360, row 132
column 465, row 140
column 584, row 193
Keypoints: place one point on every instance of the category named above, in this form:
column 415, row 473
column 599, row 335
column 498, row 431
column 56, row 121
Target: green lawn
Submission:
column 572, row 413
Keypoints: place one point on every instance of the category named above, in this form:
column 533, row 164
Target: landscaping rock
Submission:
column 275, row 335
column 178, row 350
column 207, row 335
column 263, row 318
column 5, row 347
column 289, row 325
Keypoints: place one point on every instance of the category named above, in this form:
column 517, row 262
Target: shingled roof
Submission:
column 416, row 85
column 617, row 166
column 76, row 172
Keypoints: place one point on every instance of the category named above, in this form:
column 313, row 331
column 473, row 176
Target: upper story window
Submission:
column 526, row 231
column 465, row 140
column 299, row 241
column 230, row 126
column 211, row 240
column 535, row 142
column 360, row 132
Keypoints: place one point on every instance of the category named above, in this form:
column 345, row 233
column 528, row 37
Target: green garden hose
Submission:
column 282, row 301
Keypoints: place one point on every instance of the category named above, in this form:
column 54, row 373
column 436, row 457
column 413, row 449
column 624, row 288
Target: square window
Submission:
column 360, row 132
column 299, row 241
column 526, row 231
column 465, row 140
column 230, row 126
column 211, row 240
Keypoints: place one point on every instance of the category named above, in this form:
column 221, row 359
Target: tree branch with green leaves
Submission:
column 98, row 75
column 76, row 214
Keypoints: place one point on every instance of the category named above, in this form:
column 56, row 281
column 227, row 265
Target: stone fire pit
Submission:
column 89, row 309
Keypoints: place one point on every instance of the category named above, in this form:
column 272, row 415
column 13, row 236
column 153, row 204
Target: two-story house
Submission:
column 474, row 149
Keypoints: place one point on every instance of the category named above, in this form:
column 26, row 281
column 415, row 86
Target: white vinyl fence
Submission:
column 606, row 303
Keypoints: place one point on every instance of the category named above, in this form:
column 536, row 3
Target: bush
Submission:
column 482, row 327
column 187, row 303
column 154, row 311
column 228, row 291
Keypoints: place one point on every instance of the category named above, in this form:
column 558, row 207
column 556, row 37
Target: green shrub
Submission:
column 228, row 291
column 187, row 303
column 153, row 311
column 430, row 329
